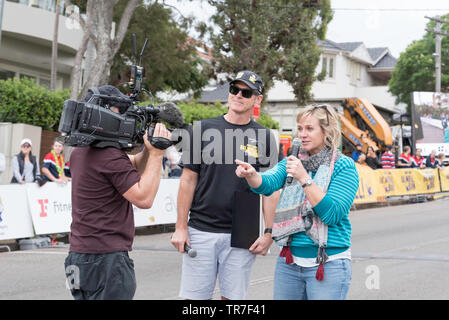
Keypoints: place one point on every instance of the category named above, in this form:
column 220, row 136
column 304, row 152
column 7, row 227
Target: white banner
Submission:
column 15, row 220
column 438, row 147
column 50, row 207
column 164, row 210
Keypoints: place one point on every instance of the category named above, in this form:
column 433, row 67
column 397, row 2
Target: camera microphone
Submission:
column 170, row 113
column 191, row 252
column 296, row 144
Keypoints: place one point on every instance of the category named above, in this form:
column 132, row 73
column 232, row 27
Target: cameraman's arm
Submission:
column 139, row 160
column 142, row 194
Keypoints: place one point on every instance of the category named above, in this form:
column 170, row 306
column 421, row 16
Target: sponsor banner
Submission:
column 415, row 181
column 385, row 179
column 370, row 188
column 164, row 209
column 376, row 185
column 15, row 220
column 50, row 207
column 444, row 177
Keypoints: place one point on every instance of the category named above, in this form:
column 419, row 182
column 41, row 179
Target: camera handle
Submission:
column 158, row 142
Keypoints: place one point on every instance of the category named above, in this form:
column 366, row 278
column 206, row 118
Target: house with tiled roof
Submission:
column 352, row 70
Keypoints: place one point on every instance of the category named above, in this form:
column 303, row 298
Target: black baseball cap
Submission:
column 113, row 92
column 249, row 78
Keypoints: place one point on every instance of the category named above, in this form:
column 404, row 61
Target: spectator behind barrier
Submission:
column 24, row 165
column 440, row 160
column 387, row 159
column 418, row 161
column 405, row 159
column 431, row 161
column 357, row 153
column 54, row 164
column 371, row 159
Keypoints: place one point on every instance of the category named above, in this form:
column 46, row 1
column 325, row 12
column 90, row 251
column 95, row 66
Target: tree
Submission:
column 54, row 48
column 98, row 28
column 276, row 39
column 170, row 60
column 415, row 69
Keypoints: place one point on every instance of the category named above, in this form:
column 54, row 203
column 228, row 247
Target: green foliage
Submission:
column 23, row 101
column 194, row 111
column 415, row 69
column 170, row 60
column 276, row 39
column 267, row 121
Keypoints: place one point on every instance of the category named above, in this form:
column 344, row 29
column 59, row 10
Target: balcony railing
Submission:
column 49, row 5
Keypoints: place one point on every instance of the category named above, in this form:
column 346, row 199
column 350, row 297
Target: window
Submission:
column 27, row 76
column 44, row 83
column 353, row 71
column 5, row 74
column 328, row 66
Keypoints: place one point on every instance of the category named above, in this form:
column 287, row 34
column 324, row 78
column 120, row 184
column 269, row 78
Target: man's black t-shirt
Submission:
column 214, row 145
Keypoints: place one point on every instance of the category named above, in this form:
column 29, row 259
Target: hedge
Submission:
column 23, row 101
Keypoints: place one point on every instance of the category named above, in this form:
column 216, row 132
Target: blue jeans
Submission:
column 292, row 282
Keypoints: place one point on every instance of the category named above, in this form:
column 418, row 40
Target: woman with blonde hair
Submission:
column 311, row 221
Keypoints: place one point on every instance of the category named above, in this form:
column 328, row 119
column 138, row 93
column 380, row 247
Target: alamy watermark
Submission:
column 211, row 146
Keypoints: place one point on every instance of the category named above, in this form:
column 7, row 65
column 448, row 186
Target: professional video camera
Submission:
column 92, row 123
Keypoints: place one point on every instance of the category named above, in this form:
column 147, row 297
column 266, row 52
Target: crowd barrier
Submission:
column 379, row 185
column 28, row 210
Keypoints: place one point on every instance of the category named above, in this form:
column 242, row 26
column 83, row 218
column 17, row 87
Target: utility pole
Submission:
column 2, row 3
column 438, row 36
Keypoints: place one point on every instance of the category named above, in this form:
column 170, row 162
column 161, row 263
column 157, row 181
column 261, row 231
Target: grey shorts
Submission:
column 108, row 276
column 215, row 258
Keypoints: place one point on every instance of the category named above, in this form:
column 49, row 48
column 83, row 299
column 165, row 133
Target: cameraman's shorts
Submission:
column 108, row 276
column 215, row 258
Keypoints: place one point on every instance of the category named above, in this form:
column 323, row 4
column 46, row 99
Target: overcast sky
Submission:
column 381, row 23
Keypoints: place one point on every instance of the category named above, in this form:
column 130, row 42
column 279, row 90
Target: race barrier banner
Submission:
column 15, row 220
column 50, row 207
column 28, row 210
column 370, row 187
column 444, row 178
column 377, row 185
column 164, row 209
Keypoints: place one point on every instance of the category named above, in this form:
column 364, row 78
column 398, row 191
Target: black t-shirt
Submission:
column 214, row 145
column 102, row 219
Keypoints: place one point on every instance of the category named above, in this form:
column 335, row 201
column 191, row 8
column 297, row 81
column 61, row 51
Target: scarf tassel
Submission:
column 321, row 259
column 287, row 254
column 320, row 272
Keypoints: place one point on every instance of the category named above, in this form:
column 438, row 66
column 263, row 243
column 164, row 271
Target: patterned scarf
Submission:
column 59, row 163
column 294, row 212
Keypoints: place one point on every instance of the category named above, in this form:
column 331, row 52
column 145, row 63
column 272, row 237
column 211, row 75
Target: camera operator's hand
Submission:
column 160, row 131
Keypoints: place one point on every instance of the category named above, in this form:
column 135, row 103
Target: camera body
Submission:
column 92, row 123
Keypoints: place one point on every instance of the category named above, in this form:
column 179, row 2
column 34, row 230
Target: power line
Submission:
column 387, row 9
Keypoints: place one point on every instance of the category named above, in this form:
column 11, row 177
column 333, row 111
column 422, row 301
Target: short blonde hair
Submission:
column 328, row 120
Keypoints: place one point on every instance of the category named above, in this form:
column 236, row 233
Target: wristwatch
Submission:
column 268, row 230
column 307, row 183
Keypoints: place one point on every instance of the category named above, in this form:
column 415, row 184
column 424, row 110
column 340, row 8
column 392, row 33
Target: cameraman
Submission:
column 105, row 185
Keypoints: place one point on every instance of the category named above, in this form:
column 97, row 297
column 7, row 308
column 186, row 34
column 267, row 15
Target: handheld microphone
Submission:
column 191, row 252
column 296, row 144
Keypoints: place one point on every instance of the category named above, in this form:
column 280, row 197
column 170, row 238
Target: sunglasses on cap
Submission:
column 322, row 106
column 246, row 93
